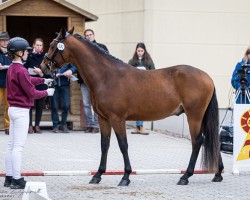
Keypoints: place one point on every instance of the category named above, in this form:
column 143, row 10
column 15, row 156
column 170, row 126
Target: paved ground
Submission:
column 80, row 151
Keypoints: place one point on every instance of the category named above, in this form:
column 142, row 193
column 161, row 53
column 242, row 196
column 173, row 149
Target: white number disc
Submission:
column 60, row 46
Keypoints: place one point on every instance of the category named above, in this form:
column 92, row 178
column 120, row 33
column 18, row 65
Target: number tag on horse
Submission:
column 60, row 46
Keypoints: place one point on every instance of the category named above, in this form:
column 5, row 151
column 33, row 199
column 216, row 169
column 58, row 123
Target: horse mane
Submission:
column 98, row 48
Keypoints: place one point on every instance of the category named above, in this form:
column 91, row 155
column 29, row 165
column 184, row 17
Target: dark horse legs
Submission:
column 195, row 152
column 218, row 177
column 123, row 144
column 105, row 141
column 120, row 132
column 190, row 170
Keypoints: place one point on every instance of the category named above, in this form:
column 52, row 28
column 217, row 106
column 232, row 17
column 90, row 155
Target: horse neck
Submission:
column 92, row 65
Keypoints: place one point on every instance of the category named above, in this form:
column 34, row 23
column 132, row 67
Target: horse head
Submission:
column 57, row 54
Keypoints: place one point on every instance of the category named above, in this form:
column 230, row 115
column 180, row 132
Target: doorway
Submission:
column 34, row 27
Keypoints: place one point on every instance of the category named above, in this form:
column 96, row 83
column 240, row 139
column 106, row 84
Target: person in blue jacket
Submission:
column 241, row 79
column 62, row 92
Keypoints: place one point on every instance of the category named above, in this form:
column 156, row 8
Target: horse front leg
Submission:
column 196, row 145
column 120, row 131
column 105, row 128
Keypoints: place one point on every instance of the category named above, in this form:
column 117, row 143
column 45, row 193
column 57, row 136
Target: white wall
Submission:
column 206, row 34
column 120, row 25
column 211, row 35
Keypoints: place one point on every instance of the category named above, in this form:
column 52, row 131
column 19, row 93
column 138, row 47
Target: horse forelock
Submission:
column 60, row 37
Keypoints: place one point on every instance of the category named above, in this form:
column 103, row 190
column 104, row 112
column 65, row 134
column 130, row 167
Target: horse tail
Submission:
column 210, row 129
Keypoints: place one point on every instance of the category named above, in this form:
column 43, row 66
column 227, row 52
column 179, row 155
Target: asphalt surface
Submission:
column 78, row 151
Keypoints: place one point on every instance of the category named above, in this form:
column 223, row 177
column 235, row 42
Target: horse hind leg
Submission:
column 105, row 142
column 212, row 155
column 196, row 145
column 218, row 177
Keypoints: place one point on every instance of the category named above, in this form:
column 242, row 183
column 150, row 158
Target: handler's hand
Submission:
column 48, row 80
column 50, row 91
column 38, row 71
column 68, row 73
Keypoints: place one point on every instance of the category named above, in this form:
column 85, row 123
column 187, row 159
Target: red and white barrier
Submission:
column 110, row 172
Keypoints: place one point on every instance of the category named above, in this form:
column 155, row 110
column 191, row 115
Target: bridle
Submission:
column 59, row 49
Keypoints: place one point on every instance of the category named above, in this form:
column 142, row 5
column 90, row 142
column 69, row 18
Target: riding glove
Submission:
column 50, row 91
column 48, row 80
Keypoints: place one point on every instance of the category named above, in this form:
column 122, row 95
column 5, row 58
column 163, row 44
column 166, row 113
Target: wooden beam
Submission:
column 4, row 23
column 69, row 23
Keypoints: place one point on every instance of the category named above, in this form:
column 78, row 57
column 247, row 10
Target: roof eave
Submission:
column 6, row 4
column 89, row 16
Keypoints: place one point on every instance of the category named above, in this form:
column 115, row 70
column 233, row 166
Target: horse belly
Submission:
column 155, row 112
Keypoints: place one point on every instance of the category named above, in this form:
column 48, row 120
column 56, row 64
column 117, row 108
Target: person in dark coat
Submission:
column 92, row 125
column 33, row 66
column 4, row 65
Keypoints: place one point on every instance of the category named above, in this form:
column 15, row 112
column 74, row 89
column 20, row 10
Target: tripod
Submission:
column 242, row 96
column 225, row 116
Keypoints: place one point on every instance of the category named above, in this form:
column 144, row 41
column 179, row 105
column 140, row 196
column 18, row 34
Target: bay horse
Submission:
column 120, row 92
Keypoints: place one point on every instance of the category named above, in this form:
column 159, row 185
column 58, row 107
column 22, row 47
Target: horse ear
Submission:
column 71, row 30
column 63, row 32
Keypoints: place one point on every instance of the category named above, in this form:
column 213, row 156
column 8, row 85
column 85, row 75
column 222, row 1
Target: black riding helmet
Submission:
column 17, row 44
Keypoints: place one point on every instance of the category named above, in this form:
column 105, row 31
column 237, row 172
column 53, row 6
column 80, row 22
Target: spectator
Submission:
column 62, row 92
column 241, row 78
column 4, row 65
column 91, row 118
column 21, row 93
column 142, row 60
column 33, row 65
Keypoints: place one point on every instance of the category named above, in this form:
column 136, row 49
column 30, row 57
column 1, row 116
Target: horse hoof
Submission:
column 183, row 182
column 95, row 180
column 124, row 182
column 217, row 178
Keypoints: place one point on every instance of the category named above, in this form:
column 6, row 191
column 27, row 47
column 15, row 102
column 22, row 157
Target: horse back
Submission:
column 186, row 79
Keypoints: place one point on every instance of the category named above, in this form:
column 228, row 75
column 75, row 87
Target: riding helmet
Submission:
column 17, row 44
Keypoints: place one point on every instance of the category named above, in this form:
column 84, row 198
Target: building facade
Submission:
column 210, row 35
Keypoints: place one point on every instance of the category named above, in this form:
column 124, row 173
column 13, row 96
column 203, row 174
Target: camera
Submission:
column 243, row 75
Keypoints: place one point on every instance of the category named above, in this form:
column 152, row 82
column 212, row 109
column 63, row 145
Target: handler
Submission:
column 21, row 93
